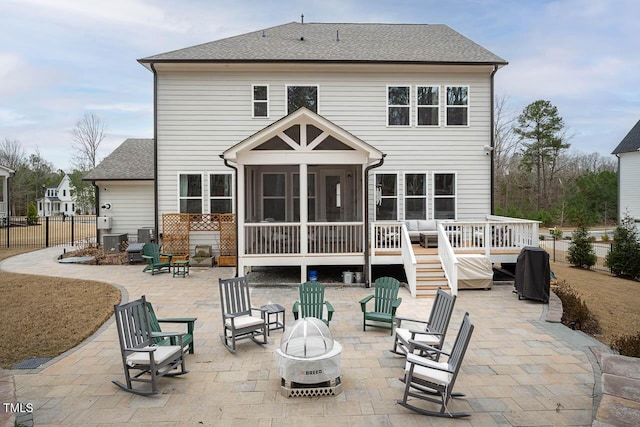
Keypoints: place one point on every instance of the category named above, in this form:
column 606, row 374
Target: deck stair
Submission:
column 429, row 274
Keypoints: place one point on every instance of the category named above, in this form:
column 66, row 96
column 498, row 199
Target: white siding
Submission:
column 131, row 206
column 202, row 113
column 629, row 179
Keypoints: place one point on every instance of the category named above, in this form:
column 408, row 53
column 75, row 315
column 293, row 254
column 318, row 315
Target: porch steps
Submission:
column 429, row 276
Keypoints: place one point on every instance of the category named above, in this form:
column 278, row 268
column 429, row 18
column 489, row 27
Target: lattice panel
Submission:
column 175, row 235
column 204, row 222
column 227, row 239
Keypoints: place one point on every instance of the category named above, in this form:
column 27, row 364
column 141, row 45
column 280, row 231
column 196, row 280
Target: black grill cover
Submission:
column 533, row 274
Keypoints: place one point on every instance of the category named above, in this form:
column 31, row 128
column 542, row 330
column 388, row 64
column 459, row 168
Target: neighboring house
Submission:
column 124, row 187
column 324, row 138
column 5, row 174
column 628, row 153
column 57, row 199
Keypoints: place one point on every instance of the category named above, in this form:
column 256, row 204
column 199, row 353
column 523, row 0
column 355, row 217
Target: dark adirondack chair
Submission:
column 386, row 302
column 434, row 330
column 433, row 381
column 151, row 252
column 312, row 303
column 187, row 338
column 238, row 319
column 142, row 359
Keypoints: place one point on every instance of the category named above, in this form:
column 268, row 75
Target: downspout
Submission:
column 367, row 241
column 96, row 190
column 493, row 129
column 235, row 202
column 156, row 227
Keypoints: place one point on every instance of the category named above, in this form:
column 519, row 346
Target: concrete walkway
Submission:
column 519, row 369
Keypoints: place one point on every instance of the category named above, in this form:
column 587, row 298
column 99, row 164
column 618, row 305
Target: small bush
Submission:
column 605, row 237
column 575, row 313
column 32, row 214
column 581, row 253
column 627, row 345
column 556, row 233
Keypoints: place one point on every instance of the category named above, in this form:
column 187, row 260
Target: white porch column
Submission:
column 240, row 197
column 304, row 220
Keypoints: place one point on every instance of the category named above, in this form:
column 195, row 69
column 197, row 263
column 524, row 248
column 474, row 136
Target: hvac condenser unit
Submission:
column 112, row 243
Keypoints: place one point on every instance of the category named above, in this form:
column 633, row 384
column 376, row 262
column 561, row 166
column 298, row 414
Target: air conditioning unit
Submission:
column 112, row 243
column 145, row 235
column 104, row 222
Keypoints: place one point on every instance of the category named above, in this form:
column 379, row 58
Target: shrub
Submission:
column 32, row 214
column 627, row 345
column 624, row 257
column 575, row 313
column 581, row 253
column 605, row 237
column 556, row 233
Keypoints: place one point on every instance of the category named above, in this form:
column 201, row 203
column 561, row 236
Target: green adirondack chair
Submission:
column 187, row 338
column 312, row 303
column 151, row 252
column 386, row 302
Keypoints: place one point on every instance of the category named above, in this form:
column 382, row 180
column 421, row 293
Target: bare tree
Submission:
column 505, row 145
column 12, row 154
column 88, row 134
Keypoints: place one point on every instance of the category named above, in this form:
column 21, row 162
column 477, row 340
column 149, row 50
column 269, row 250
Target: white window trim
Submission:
column 438, row 107
column 386, row 101
column 397, row 196
column 202, row 190
column 286, row 95
column 434, row 196
column 285, row 196
column 425, row 197
column 446, row 106
column 253, row 102
column 210, row 197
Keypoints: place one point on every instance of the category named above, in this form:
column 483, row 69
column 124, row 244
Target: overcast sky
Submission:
column 62, row 58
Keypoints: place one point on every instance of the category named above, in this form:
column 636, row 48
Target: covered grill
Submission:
column 309, row 360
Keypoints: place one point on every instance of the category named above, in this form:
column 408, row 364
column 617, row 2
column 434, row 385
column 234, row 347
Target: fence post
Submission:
column 46, row 232
column 554, row 249
column 73, row 228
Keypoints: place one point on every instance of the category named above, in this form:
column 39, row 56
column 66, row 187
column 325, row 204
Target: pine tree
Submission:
column 581, row 253
column 624, row 257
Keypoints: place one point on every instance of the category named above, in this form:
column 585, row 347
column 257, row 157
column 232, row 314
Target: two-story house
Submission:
column 57, row 199
column 322, row 139
column 628, row 154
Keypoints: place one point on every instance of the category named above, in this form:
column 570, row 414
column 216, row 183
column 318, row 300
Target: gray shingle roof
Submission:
column 132, row 160
column 320, row 42
column 631, row 142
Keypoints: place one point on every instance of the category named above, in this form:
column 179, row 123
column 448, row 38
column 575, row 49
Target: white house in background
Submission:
column 124, row 188
column 323, row 139
column 628, row 153
column 5, row 174
column 57, row 199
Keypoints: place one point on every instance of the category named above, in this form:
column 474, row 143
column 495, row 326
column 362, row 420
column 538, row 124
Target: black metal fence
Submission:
column 44, row 232
column 559, row 249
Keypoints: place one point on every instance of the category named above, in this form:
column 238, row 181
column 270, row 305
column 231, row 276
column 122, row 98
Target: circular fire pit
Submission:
column 309, row 360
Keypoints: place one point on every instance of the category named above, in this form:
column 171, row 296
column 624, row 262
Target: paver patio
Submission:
column 519, row 369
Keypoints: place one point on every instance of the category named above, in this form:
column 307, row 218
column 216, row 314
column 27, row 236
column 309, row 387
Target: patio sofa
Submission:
column 415, row 227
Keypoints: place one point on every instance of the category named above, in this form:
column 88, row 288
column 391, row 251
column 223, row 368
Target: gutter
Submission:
column 235, row 203
column 367, row 241
column 492, row 142
column 156, row 226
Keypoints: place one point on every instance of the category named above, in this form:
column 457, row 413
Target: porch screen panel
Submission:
column 311, row 193
column 274, row 202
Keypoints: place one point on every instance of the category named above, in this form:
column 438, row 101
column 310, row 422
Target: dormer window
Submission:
column 302, row 96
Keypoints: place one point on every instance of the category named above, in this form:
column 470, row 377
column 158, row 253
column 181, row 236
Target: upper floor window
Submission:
column 190, row 193
column 302, row 96
column 415, row 196
column 64, row 193
column 260, row 101
column 221, row 193
column 386, row 196
column 398, row 105
column 444, row 196
column 457, row 105
column 428, row 105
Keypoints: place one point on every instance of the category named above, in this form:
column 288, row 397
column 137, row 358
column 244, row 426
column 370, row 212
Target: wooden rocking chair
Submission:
column 312, row 303
column 434, row 329
column 431, row 378
column 140, row 354
column 238, row 320
column 386, row 302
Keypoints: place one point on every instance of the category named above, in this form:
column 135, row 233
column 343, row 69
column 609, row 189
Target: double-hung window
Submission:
column 398, row 105
column 190, row 193
column 415, row 196
column 386, row 196
column 444, row 196
column 428, row 105
column 302, row 96
column 221, row 193
column 260, row 98
column 457, row 105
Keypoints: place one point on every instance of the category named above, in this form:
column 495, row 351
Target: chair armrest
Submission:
column 148, row 349
column 421, row 346
column 364, row 301
column 395, row 306
column 400, row 319
column 330, row 310
column 189, row 321
column 166, row 334
column 423, row 332
column 428, row 363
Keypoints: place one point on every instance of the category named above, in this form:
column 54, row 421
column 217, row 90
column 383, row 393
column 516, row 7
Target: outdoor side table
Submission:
column 181, row 268
column 275, row 310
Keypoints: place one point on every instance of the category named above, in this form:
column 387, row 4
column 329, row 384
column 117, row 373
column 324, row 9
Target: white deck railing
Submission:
column 386, row 236
column 271, row 238
column 448, row 258
column 491, row 236
column 335, row 238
